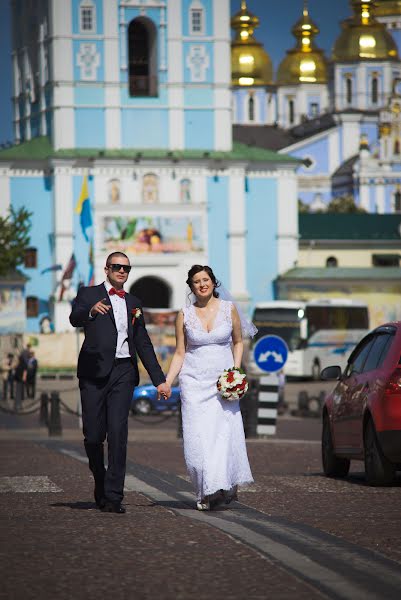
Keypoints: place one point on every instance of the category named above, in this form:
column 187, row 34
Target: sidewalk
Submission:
column 64, row 548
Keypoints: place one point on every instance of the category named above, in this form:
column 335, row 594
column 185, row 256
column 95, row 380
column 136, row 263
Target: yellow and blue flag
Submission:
column 83, row 208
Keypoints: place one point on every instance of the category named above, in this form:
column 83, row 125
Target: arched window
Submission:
column 397, row 147
column 31, row 258
column 331, row 262
column 87, row 17
column 397, row 201
column 291, row 111
column 32, row 306
column 375, row 90
column 196, row 18
column 153, row 292
column 348, row 90
column 142, row 51
column 251, row 108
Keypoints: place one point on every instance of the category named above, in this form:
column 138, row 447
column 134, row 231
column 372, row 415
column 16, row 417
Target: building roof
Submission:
column 353, row 226
column 337, row 273
column 275, row 138
column 347, row 167
column 41, row 149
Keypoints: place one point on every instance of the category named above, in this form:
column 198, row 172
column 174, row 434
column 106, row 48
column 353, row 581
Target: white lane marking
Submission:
column 27, row 484
column 289, row 558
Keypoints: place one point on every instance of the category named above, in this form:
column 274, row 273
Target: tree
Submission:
column 302, row 206
column 344, row 204
column 14, row 238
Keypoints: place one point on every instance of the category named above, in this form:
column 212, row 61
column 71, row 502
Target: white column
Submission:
column 222, row 76
column 63, row 236
column 380, row 199
column 17, row 91
column 62, row 74
column 111, row 74
column 361, row 87
column 287, row 226
column 334, row 150
column 237, row 237
column 364, row 196
column 351, row 136
column 175, row 76
column 5, row 197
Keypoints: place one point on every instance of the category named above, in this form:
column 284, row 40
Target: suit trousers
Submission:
column 105, row 408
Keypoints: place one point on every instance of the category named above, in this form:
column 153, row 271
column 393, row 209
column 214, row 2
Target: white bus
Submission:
column 318, row 333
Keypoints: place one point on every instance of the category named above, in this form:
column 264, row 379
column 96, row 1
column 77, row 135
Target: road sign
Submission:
column 270, row 353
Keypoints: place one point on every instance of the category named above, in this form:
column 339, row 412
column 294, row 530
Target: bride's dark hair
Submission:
column 197, row 269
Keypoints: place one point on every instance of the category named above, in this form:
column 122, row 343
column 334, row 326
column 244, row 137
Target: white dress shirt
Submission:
column 121, row 318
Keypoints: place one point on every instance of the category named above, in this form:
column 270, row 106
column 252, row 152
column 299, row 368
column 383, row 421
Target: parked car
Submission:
column 362, row 415
column 145, row 402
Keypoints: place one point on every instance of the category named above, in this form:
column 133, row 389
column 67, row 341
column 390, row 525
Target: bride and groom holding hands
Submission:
column 208, row 341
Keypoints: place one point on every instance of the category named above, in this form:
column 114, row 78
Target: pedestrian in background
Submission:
column 20, row 382
column 32, row 368
column 8, row 373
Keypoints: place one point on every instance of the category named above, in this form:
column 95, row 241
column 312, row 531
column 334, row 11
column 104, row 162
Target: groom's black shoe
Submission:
column 99, row 496
column 113, row 507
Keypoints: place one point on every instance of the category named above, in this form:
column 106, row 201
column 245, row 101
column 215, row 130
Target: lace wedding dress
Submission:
column 214, row 440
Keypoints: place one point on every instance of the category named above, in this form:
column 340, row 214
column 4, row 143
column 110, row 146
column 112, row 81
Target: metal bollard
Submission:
column 44, row 411
column 249, row 409
column 55, row 417
column 267, row 405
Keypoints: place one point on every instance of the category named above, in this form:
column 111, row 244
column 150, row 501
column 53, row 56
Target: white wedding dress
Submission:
column 214, row 440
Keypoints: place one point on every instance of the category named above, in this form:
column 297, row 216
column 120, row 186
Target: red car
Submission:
column 362, row 415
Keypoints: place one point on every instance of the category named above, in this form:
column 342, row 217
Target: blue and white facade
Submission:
column 134, row 97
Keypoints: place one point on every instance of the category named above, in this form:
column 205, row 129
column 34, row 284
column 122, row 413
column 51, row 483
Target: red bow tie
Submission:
column 120, row 293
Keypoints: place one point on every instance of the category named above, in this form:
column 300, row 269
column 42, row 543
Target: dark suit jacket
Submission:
column 99, row 348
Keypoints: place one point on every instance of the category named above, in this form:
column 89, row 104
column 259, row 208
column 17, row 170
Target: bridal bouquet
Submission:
column 232, row 384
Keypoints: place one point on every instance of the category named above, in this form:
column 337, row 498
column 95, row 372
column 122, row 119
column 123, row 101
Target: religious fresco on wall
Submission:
column 114, row 191
column 140, row 235
column 383, row 305
column 12, row 310
column 185, row 191
column 150, row 189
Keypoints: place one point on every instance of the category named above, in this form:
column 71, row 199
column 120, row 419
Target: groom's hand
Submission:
column 163, row 390
column 100, row 308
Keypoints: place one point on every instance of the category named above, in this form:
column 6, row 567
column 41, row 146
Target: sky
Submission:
column 276, row 20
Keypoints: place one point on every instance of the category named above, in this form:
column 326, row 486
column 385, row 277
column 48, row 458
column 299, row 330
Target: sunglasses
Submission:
column 117, row 267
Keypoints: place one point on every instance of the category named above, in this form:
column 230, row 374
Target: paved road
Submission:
column 293, row 534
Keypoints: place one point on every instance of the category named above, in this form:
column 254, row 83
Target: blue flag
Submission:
column 83, row 208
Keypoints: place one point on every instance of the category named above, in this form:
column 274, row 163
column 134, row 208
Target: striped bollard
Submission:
column 267, row 405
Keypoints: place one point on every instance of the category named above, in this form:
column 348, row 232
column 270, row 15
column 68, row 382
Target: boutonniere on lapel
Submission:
column 136, row 313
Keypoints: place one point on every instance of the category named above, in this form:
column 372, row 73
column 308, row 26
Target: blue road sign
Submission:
column 270, row 353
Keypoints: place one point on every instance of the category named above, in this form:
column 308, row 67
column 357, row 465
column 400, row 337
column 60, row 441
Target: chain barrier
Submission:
column 30, row 410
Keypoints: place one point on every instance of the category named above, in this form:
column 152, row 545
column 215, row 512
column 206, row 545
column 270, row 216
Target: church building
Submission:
column 123, row 125
column 340, row 115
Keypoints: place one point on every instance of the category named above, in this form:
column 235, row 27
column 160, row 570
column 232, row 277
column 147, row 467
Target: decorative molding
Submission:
column 198, row 62
column 88, row 59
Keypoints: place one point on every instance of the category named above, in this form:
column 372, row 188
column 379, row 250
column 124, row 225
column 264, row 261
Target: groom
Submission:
column 108, row 372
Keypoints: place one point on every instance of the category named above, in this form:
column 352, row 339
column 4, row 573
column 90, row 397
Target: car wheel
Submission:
column 333, row 466
column 378, row 470
column 143, row 406
column 316, row 371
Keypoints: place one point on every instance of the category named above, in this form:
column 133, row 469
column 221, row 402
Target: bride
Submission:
column 209, row 340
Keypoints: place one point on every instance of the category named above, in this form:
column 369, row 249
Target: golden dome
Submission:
column 387, row 8
column 250, row 63
column 305, row 63
column 364, row 38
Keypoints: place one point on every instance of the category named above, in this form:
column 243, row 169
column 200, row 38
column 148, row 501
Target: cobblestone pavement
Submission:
column 294, row 533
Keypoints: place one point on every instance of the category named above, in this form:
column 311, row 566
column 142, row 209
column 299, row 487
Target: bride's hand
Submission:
column 163, row 390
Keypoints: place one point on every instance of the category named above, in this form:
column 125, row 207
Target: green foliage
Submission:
column 302, row 206
column 344, row 204
column 14, row 238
